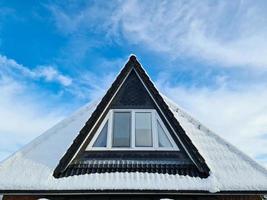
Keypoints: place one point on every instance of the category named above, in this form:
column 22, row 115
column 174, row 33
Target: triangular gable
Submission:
column 132, row 95
column 132, row 88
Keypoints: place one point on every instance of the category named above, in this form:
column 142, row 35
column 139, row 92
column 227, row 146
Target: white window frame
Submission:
column 155, row 146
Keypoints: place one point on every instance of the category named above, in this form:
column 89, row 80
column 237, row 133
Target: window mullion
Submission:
column 133, row 129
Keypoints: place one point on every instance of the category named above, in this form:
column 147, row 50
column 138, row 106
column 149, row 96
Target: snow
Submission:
column 166, row 199
column 230, row 168
column 32, row 167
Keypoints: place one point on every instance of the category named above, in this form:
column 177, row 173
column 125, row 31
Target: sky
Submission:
column 210, row 57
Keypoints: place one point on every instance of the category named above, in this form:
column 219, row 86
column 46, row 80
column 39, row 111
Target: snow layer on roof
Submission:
column 230, row 168
column 32, row 167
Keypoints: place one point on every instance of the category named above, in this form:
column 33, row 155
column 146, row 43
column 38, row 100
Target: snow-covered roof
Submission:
column 32, row 167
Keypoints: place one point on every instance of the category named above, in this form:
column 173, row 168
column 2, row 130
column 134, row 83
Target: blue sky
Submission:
column 208, row 56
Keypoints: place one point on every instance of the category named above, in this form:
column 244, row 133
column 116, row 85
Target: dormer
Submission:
column 132, row 130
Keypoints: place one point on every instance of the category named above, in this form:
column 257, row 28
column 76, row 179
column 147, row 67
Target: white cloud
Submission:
column 91, row 85
column 49, row 73
column 75, row 20
column 82, row 26
column 24, row 113
column 239, row 116
column 229, row 33
column 22, row 116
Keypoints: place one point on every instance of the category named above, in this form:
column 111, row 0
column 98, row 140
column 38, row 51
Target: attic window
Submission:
column 132, row 130
column 101, row 141
column 121, row 129
column 143, row 129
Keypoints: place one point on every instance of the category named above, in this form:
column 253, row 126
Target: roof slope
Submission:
column 32, row 167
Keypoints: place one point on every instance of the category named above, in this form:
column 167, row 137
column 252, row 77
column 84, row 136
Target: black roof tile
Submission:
column 165, row 162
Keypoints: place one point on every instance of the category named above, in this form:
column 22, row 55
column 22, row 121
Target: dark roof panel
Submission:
column 163, row 162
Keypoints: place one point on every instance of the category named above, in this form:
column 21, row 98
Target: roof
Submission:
column 31, row 168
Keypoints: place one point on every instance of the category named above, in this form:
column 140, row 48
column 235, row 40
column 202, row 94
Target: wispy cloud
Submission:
column 92, row 85
column 48, row 73
column 224, row 32
column 228, row 33
column 23, row 116
column 24, row 112
column 85, row 26
column 77, row 18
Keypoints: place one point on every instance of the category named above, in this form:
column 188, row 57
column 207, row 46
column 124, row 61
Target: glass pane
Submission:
column 143, row 131
column 163, row 139
column 101, row 141
column 121, row 129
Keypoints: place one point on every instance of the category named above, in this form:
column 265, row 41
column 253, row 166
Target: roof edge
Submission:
column 131, row 191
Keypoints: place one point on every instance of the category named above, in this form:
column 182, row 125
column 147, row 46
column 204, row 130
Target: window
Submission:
column 162, row 137
column 138, row 129
column 143, row 129
column 121, row 129
column 101, row 141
